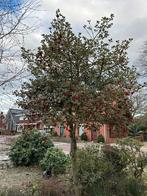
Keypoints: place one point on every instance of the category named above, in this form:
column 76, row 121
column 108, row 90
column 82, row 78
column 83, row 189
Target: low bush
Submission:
column 29, row 148
column 113, row 156
column 56, row 160
column 132, row 155
column 111, row 170
column 84, row 137
column 53, row 133
column 135, row 129
column 100, row 139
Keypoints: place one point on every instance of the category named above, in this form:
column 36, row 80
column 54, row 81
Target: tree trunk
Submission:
column 73, row 150
column 73, row 147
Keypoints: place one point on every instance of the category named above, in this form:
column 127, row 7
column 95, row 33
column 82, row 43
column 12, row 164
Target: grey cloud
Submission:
column 130, row 19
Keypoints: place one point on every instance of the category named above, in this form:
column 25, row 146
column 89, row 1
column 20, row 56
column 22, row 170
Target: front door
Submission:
column 61, row 130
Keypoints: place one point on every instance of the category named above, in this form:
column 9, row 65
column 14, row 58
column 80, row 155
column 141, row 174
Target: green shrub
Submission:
column 55, row 159
column 111, row 170
column 29, row 148
column 100, row 139
column 135, row 129
column 53, row 133
column 137, row 187
column 84, row 137
column 113, row 156
column 134, row 158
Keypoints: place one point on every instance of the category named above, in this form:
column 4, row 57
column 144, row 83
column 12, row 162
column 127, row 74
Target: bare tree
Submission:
column 15, row 17
column 142, row 62
column 139, row 102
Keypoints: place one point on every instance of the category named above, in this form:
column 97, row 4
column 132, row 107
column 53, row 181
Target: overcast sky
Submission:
column 130, row 19
column 130, row 22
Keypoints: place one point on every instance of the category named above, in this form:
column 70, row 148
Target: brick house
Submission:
column 29, row 124
column 106, row 130
column 12, row 118
column 17, row 121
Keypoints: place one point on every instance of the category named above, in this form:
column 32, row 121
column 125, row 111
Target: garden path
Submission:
column 5, row 142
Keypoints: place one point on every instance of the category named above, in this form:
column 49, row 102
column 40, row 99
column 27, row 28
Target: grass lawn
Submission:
column 28, row 181
column 21, row 179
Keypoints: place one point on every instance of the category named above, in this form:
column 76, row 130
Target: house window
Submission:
column 81, row 130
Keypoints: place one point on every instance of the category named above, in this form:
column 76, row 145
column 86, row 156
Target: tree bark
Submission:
column 73, row 151
column 73, row 141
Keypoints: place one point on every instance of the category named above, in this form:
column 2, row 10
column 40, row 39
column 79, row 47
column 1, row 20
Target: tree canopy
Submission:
column 79, row 78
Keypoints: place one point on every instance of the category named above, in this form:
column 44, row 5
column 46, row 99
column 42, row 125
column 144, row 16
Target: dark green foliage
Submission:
column 84, row 137
column 111, row 170
column 135, row 129
column 55, row 159
column 137, row 187
column 100, row 139
column 113, row 156
column 53, row 133
column 29, row 148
